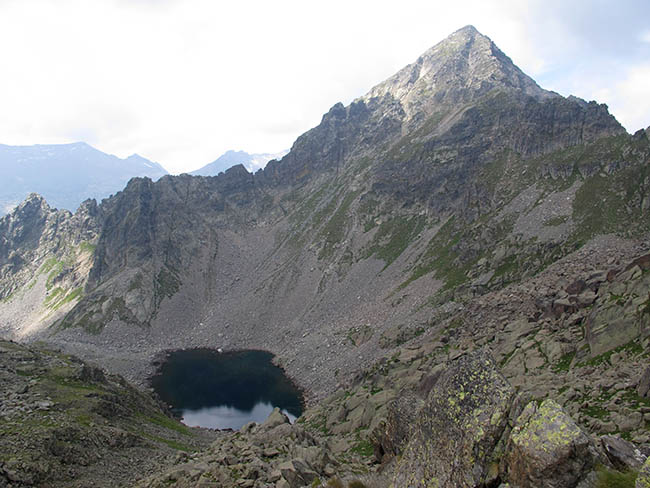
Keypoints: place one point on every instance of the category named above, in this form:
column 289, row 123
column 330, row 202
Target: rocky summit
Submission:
column 454, row 267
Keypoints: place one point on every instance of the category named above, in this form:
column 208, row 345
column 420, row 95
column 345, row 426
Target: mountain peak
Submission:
column 469, row 29
column 34, row 202
column 461, row 68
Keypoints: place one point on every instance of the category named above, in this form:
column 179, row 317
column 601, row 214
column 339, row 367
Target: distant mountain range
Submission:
column 252, row 162
column 66, row 174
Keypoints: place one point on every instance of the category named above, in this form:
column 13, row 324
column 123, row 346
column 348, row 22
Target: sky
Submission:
column 182, row 81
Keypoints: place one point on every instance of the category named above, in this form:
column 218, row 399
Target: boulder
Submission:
column 297, row 473
column 643, row 479
column 275, row 418
column 456, row 431
column 546, row 449
column 392, row 433
column 623, row 454
column 577, row 287
column 643, row 388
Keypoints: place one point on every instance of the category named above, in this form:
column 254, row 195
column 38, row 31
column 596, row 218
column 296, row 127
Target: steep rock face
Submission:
column 34, row 233
column 622, row 311
column 45, row 258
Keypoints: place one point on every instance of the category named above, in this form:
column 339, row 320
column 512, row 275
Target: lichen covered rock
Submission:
column 547, row 449
column 457, row 430
column 643, row 480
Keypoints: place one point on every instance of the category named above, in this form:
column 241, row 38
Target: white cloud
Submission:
column 180, row 82
column 630, row 99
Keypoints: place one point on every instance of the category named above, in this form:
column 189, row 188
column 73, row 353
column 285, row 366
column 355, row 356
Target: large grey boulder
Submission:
column 623, row 454
column 454, row 436
column 547, row 449
column 643, row 388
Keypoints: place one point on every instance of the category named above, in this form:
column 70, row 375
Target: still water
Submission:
column 225, row 390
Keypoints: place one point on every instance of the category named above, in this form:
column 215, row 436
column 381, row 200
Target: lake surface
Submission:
column 225, row 390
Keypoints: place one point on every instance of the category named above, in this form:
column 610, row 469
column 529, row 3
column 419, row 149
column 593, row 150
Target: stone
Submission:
column 586, row 298
column 627, row 420
column 459, row 426
column 248, row 428
column 643, row 479
column 577, row 287
column 297, row 473
column 391, row 434
column 275, row 418
column 643, row 387
column 622, row 454
column 547, row 449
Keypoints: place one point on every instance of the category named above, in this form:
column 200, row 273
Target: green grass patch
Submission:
column 596, row 411
column 634, row 400
column 507, row 357
column 557, row 220
column 167, row 423
column 442, row 257
column 171, row 443
column 509, row 266
column 564, row 363
column 363, row 448
column 166, row 285
column 52, row 267
column 633, row 348
column 333, row 232
column 393, row 237
column 608, row 478
column 54, row 295
column 87, row 247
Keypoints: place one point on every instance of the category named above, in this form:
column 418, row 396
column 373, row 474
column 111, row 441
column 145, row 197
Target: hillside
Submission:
column 457, row 210
column 66, row 174
column 67, row 423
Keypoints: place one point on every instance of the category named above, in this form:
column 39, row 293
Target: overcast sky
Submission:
column 182, row 81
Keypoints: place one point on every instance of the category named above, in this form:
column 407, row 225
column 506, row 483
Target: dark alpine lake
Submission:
column 225, row 390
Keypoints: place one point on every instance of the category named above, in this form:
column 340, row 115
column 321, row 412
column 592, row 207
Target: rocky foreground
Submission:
column 410, row 423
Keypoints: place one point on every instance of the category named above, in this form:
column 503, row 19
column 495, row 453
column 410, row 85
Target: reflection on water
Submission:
column 224, row 417
column 225, row 390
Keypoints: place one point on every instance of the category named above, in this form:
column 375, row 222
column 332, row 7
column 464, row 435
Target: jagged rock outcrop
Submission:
column 34, row 230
